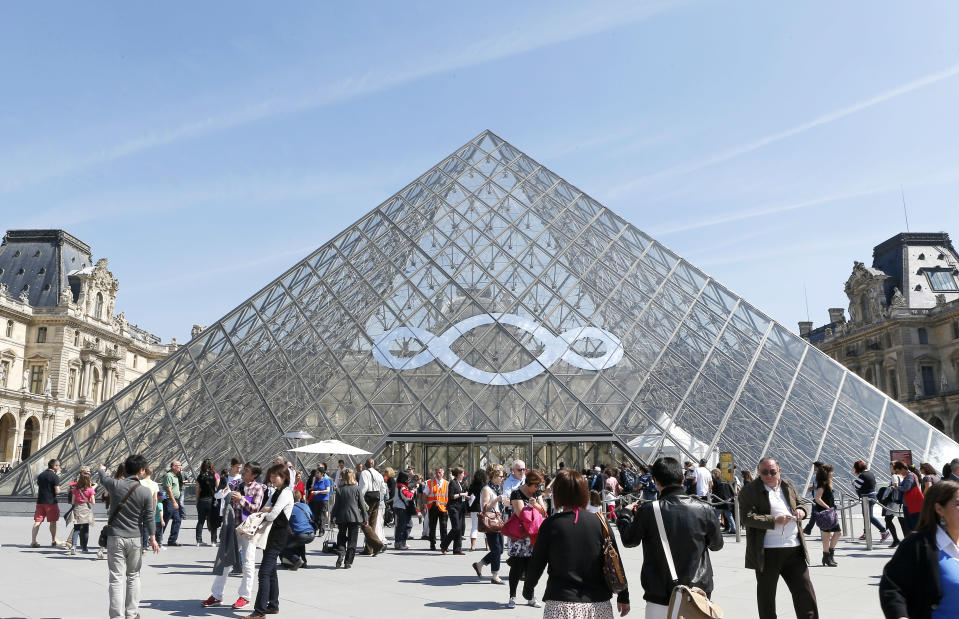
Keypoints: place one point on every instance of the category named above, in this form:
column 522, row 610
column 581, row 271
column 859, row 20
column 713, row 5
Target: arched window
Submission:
column 937, row 423
column 923, row 336
column 98, row 307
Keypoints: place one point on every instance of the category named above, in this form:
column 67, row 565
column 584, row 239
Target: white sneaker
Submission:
column 511, row 603
column 73, row 550
column 534, row 603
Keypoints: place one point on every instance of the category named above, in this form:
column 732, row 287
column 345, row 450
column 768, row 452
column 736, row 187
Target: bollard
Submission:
column 739, row 524
column 866, row 513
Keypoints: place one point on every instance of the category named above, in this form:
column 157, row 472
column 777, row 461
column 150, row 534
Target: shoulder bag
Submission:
column 613, row 570
column 913, row 497
column 686, row 602
column 826, row 519
column 102, row 540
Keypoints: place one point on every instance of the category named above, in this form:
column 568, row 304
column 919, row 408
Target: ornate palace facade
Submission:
column 902, row 334
column 62, row 349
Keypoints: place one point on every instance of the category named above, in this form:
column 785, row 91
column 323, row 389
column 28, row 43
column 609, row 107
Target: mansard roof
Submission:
column 38, row 261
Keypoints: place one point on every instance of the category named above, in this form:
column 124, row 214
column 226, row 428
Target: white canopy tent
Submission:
column 335, row 447
column 680, row 444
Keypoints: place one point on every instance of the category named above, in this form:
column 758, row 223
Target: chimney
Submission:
column 837, row 314
column 804, row 328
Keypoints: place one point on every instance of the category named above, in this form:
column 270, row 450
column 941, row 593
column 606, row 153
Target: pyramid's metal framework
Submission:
column 492, row 296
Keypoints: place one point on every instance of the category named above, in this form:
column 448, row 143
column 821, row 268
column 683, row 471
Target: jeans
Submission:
column 296, row 547
column 492, row 558
column 204, row 514
column 172, row 518
column 123, row 562
column 268, row 587
column 728, row 515
column 346, row 540
column 321, row 515
column 403, row 525
column 871, row 498
column 81, row 532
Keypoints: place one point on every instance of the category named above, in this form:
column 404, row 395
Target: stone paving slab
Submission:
column 46, row 582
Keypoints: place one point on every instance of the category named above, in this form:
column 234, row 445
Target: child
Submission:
column 595, row 502
column 158, row 516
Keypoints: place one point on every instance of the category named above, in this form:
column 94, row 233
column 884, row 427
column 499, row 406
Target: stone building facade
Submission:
column 63, row 351
column 902, row 333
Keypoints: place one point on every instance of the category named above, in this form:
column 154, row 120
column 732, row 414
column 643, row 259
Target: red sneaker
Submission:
column 241, row 603
column 211, row 601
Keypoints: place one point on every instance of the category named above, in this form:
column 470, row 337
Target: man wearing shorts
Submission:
column 48, row 486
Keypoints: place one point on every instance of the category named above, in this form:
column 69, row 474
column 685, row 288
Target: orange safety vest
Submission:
column 437, row 494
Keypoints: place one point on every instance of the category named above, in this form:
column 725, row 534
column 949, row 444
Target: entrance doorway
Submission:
column 31, row 437
column 548, row 453
column 8, row 437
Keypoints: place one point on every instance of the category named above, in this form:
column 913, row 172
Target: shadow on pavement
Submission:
column 445, row 581
column 467, row 606
column 186, row 608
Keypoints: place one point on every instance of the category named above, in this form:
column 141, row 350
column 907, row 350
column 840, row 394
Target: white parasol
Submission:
column 331, row 447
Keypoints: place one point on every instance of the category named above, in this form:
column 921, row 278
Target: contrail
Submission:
column 732, row 153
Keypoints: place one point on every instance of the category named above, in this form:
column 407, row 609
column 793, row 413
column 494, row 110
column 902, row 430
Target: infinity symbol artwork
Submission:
column 555, row 347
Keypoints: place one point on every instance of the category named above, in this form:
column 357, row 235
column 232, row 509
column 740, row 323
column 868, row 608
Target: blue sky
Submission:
column 205, row 148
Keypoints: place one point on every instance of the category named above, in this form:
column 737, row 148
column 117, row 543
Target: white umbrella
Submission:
column 331, row 447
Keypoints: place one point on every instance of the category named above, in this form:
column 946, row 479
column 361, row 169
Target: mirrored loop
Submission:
column 554, row 347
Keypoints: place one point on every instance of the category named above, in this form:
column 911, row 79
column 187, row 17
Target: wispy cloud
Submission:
column 946, row 176
column 523, row 38
column 232, row 267
column 738, row 151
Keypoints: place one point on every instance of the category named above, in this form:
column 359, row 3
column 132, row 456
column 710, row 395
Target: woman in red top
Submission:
column 299, row 485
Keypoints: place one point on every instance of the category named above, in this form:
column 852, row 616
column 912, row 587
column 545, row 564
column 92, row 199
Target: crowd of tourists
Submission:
column 559, row 524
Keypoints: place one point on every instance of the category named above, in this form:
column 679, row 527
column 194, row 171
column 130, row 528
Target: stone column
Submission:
column 84, row 380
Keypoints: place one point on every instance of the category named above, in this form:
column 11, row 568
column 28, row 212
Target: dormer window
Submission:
column 942, row 280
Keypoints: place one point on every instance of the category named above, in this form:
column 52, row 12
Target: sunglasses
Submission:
column 769, row 472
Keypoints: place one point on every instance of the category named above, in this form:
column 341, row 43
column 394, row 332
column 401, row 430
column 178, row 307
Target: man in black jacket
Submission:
column 691, row 529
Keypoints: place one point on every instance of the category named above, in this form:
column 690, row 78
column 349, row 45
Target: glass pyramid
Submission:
column 490, row 296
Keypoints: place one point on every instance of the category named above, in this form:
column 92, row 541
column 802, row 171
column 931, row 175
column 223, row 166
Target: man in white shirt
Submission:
column 338, row 477
column 775, row 543
column 373, row 489
column 704, row 480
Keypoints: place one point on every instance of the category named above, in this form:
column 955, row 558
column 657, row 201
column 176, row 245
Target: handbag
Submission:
column 826, row 519
column 513, row 528
column 102, row 540
column 685, row 602
column 256, row 529
column 613, row 570
column 490, row 522
column 913, row 497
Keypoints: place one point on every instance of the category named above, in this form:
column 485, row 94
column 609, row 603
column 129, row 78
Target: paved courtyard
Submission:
column 47, row 582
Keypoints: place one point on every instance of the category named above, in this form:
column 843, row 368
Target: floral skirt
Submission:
column 577, row 610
